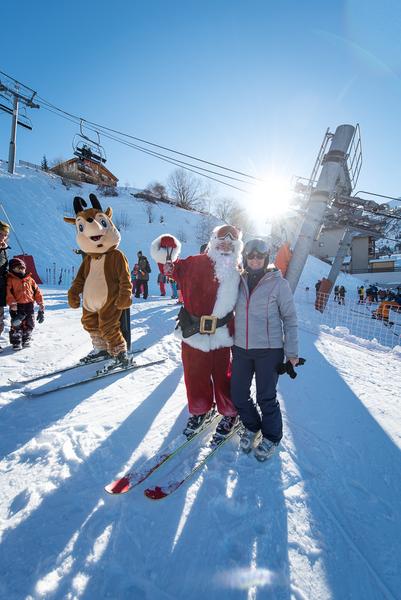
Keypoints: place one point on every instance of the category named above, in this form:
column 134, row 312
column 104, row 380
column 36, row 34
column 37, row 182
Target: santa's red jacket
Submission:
column 203, row 294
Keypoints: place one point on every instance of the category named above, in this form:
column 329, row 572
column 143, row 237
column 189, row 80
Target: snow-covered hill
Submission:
column 36, row 203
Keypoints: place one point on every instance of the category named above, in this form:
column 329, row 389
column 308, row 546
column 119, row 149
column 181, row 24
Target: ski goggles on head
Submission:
column 227, row 232
column 256, row 247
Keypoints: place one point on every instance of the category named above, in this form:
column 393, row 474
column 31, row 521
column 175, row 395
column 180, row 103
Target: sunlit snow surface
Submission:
column 320, row 521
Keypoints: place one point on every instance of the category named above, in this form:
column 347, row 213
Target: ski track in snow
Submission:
column 320, row 521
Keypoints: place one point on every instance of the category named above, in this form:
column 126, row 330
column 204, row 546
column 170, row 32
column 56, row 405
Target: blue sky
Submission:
column 249, row 84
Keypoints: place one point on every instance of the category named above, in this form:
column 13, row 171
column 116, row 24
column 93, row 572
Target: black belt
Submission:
column 207, row 324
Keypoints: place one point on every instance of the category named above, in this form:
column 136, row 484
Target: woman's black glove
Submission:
column 41, row 316
column 289, row 369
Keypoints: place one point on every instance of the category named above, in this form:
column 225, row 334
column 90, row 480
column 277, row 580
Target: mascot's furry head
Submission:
column 96, row 232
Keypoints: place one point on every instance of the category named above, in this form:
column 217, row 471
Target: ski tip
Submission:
column 155, row 493
column 120, row 486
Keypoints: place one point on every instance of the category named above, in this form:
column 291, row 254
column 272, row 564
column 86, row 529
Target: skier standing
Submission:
column 264, row 310
column 209, row 284
column 22, row 293
column 4, row 231
column 143, row 275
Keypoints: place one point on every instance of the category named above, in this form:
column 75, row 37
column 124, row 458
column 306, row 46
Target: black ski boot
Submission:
column 123, row 359
column 120, row 361
column 196, row 422
column 223, row 429
column 94, row 356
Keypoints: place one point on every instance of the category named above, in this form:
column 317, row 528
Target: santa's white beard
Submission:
column 224, row 264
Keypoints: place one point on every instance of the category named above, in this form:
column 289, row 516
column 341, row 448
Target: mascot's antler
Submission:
column 95, row 202
column 79, row 204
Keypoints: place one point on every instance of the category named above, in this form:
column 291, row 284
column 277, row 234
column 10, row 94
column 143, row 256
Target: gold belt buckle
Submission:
column 208, row 324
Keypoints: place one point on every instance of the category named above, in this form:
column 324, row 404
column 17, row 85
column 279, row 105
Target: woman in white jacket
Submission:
column 265, row 332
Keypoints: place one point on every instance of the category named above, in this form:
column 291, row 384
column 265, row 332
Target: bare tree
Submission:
column 157, row 189
column 187, row 190
column 149, row 211
column 232, row 212
column 204, row 229
column 224, row 209
column 122, row 221
column 107, row 190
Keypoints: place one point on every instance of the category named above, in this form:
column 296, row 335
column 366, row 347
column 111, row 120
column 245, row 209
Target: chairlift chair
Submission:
column 86, row 148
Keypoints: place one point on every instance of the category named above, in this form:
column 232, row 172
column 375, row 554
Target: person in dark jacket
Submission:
column 265, row 331
column 143, row 275
column 4, row 231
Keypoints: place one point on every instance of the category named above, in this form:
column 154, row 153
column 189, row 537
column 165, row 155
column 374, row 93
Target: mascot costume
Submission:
column 103, row 280
column 209, row 284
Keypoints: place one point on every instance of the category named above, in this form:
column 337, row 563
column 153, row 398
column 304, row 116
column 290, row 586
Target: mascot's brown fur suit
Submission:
column 103, row 280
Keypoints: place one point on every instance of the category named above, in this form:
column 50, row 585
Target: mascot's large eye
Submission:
column 103, row 222
column 80, row 227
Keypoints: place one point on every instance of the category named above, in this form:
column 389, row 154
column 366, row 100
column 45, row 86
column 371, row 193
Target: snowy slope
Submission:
column 320, row 521
column 36, row 203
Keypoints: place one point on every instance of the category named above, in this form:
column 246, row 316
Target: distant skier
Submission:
column 209, row 284
column 4, row 231
column 22, row 293
column 143, row 275
column 134, row 277
column 341, row 295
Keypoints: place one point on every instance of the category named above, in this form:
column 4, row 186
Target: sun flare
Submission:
column 270, row 198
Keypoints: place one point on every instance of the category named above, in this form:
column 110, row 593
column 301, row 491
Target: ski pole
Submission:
column 8, row 219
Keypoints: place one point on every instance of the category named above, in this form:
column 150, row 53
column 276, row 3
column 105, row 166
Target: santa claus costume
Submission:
column 209, row 284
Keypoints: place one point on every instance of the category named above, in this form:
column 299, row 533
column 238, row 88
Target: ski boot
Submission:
column 94, row 356
column 265, row 449
column 196, row 422
column 121, row 361
column 17, row 346
column 26, row 343
column 247, row 440
column 223, row 428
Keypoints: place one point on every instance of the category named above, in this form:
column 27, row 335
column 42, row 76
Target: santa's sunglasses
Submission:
column 257, row 255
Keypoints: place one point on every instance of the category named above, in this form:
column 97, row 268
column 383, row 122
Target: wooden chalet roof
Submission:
column 99, row 167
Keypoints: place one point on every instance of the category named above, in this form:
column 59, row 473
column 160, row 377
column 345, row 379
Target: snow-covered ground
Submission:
column 320, row 521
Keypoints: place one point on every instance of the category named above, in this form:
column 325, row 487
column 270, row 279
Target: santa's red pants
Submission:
column 207, row 377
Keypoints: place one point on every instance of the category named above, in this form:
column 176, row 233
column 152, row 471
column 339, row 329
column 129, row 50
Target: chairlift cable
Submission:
column 103, row 129
column 170, row 160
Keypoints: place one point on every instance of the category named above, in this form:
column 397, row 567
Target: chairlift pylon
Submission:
column 23, row 119
column 86, row 148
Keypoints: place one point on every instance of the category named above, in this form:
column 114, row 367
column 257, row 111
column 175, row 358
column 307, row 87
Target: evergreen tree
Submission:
column 44, row 163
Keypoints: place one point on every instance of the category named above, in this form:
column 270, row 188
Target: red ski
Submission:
column 133, row 478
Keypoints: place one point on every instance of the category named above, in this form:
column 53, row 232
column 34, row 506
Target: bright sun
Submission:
column 271, row 198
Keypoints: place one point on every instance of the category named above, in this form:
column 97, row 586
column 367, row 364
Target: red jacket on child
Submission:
column 22, row 290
